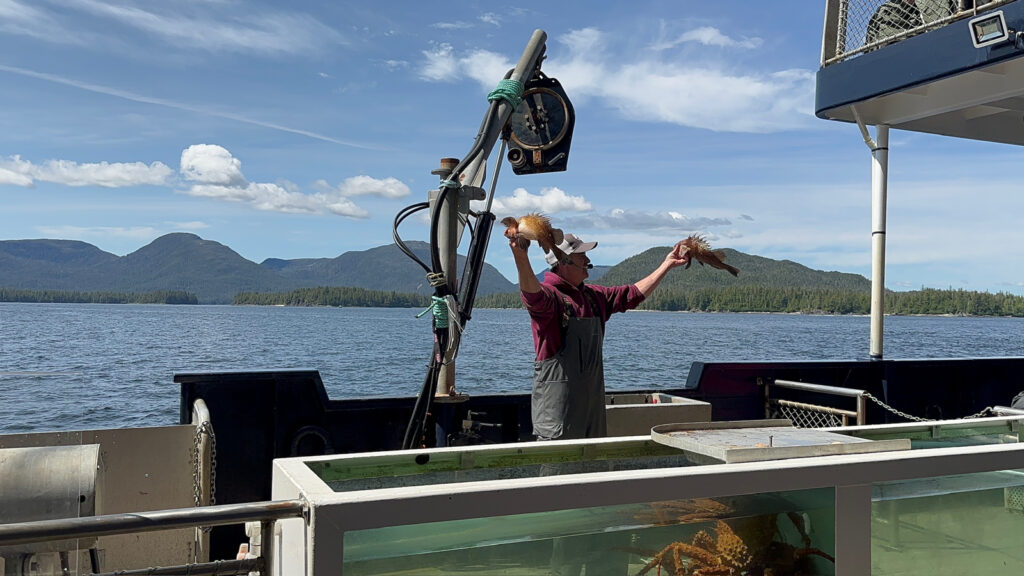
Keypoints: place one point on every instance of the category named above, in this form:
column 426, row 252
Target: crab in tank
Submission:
column 749, row 546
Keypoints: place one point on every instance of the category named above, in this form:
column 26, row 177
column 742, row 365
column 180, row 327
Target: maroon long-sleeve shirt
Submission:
column 546, row 313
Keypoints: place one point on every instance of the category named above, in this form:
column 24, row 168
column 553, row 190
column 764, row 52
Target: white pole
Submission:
column 879, row 185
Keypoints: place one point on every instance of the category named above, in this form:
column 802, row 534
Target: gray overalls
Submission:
column 568, row 388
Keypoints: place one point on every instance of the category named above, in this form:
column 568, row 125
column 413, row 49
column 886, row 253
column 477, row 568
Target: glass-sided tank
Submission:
column 778, row 533
column 448, row 466
column 961, row 524
column 789, row 532
column 945, row 434
column 939, row 524
column 950, row 525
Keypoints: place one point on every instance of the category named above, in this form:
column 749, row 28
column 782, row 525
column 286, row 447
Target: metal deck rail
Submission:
column 806, row 415
column 93, row 526
column 854, row 27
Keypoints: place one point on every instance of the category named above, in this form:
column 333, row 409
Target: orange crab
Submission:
column 706, row 556
column 671, row 512
column 729, row 553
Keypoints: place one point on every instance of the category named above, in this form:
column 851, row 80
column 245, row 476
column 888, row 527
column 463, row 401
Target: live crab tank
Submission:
column 788, row 532
column 633, row 506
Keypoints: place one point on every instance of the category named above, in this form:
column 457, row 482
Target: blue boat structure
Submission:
column 849, row 467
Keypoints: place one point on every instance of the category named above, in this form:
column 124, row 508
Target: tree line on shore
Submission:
column 927, row 301
column 76, row 297
column 730, row 299
column 333, row 296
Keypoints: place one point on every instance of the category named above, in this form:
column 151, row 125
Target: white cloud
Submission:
column 653, row 87
column 708, row 36
column 704, row 98
column 440, row 64
column 485, row 67
column 14, row 170
column 134, row 232
column 212, row 172
column 19, row 18
column 193, row 225
column 115, row 175
column 126, row 95
column 619, row 219
column 217, row 174
column 549, row 201
column 211, row 164
column 456, row 25
column 14, row 178
column 490, row 18
column 584, row 40
column 481, row 65
column 211, row 27
column 366, row 186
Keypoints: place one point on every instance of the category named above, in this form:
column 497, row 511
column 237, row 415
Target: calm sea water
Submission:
column 75, row 366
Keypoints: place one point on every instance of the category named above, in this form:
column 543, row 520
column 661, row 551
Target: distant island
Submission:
column 71, row 297
column 740, row 299
column 183, row 268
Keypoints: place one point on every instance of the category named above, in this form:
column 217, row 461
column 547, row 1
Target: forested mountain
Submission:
column 175, row 262
column 211, row 271
column 184, row 268
column 53, row 265
column 208, row 269
column 754, row 271
column 383, row 268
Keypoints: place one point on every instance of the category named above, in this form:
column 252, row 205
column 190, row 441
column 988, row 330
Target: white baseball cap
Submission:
column 571, row 244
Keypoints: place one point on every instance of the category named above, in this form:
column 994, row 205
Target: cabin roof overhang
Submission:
column 936, row 82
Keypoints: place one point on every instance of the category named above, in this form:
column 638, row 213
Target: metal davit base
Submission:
column 760, row 440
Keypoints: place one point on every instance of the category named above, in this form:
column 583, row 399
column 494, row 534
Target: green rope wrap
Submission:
column 451, row 184
column 439, row 307
column 510, row 91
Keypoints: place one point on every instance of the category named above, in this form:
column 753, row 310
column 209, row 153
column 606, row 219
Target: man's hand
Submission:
column 527, row 280
column 679, row 256
column 516, row 242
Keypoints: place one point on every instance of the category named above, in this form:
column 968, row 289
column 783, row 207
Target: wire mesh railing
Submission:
column 853, row 27
column 809, row 415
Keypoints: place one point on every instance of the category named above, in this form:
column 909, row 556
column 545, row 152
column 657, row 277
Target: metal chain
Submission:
column 197, row 467
column 979, row 414
column 197, row 463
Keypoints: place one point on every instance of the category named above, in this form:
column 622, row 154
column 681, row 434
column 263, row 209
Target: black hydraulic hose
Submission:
column 474, row 151
column 415, row 429
column 402, row 215
column 474, row 265
column 417, row 422
column 435, row 252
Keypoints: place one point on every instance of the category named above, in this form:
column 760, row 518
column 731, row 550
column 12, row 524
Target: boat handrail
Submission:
column 216, row 568
column 809, row 387
column 847, row 21
column 859, row 415
column 155, row 520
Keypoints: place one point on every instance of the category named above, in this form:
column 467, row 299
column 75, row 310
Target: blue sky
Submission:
column 299, row 130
